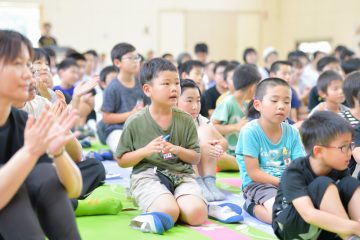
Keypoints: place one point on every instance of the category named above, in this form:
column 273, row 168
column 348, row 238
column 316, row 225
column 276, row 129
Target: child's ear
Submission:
column 117, row 63
column 321, row 94
column 61, row 72
column 147, row 90
column 183, row 75
column 316, row 150
column 102, row 84
column 257, row 104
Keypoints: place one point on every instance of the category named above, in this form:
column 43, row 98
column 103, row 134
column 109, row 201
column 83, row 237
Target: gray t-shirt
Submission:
column 119, row 99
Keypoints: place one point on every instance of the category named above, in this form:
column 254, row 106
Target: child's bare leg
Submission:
column 353, row 206
column 264, row 212
column 166, row 203
column 331, row 202
column 207, row 165
column 227, row 163
column 193, row 210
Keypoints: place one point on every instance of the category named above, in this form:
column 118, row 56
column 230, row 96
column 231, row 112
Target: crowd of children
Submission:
column 176, row 126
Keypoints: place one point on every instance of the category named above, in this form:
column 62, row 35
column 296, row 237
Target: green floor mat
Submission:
column 117, row 227
column 96, row 145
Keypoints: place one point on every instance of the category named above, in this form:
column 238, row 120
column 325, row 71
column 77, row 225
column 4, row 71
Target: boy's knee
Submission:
column 319, row 187
column 169, row 208
column 172, row 210
column 321, row 184
column 196, row 214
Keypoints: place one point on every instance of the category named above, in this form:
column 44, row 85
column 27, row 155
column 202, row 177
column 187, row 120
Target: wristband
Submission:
column 57, row 155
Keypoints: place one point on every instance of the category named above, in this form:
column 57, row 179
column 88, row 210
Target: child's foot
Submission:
column 226, row 212
column 205, row 191
column 104, row 206
column 154, row 222
column 210, row 182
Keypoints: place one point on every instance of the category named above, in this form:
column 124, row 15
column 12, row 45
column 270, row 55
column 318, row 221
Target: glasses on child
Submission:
column 135, row 58
column 345, row 148
column 36, row 70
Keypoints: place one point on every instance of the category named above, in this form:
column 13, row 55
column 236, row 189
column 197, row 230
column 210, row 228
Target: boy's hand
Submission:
column 59, row 95
column 155, row 146
column 42, row 88
column 169, row 147
column 216, row 150
column 87, row 98
column 86, row 86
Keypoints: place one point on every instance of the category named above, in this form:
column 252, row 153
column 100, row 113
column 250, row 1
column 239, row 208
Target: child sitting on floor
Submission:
column 266, row 146
column 330, row 88
column 317, row 198
column 160, row 142
column 212, row 143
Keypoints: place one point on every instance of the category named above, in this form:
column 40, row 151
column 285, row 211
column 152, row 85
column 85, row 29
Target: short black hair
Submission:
column 261, row 90
column 276, row 65
column 321, row 64
column 201, row 48
column 351, row 88
column 188, row 83
column 230, row 67
column 351, row 65
column 346, row 53
column 296, row 55
column 326, row 78
column 106, row 70
column 316, row 53
column 340, row 48
column 245, row 76
column 67, row 63
column 296, row 63
column 187, row 66
column 69, row 51
column 167, row 55
column 77, row 56
column 50, row 51
column 181, row 56
column 153, row 67
column 234, row 62
column 222, row 63
column 120, row 49
column 322, row 128
column 247, row 51
column 92, row 52
column 39, row 54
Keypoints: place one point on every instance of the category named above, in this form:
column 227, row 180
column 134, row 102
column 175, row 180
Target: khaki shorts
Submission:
column 145, row 187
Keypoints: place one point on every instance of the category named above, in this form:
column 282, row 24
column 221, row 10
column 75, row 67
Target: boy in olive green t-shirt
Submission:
column 163, row 179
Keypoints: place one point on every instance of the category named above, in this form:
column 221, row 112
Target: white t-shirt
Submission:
column 36, row 105
column 201, row 121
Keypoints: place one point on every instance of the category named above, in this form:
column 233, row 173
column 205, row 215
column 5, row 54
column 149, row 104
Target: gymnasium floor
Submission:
column 117, row 226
